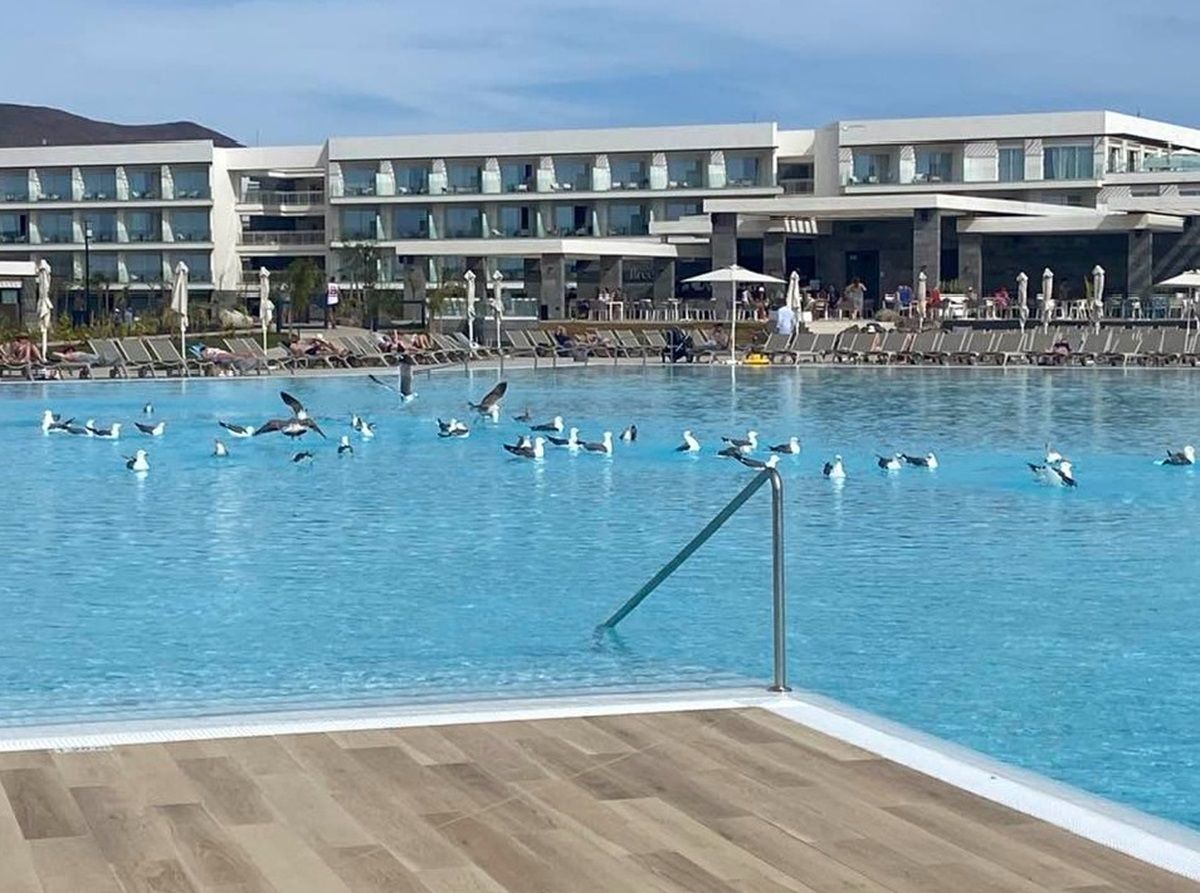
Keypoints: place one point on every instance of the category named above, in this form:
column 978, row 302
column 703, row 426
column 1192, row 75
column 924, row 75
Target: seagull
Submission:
column 453, row 428
column 1186, row 456
column 890, row 463
column 148, row 409
column 834, row 469
column 1053, row 456
column 404, row 389
column 362, row 426
column 137, row 462
column 304, row 456
column 690, row 444
column 237, row 430
column 299, row 415
column 571, row 441
column 555, row 424
column 527, row 450
column 929, row 460
column 751, row 462
column 89, row 427
column 54, row 422
column 792, row 447
column 604, row 446
column 155, row 430
column 729, row 452
column 747, row 445
column 344, row 448
column 292, row 427
column 112, row 432
column 1060, row 475
column 77, row 431
column 219, row 449
column 525, row 417
column 490, row 402
column 629, row 435
column 294, row 405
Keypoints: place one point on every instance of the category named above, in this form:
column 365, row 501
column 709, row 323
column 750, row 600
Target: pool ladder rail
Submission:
column 779, row 594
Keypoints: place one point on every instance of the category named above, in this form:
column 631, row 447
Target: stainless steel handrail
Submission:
column 779, row 595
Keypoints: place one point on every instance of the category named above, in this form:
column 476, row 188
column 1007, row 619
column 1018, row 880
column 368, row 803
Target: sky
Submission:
column 274, row 72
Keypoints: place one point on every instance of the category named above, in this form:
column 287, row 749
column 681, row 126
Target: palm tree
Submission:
column 302, row 278
column 362, row 261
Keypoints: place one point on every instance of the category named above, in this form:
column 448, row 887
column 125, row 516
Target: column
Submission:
column 664, row 280
column 724, row 253
column 611, row 271
column 970, row 261
column 552, row 294
column 1140, row 269
column 927, row 245
column 775, row 254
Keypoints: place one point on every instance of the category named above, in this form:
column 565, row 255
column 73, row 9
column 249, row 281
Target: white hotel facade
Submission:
column 561, row 214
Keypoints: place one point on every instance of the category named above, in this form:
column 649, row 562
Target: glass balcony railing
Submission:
column 284, row 198
column 13, row 238
column 293, row 237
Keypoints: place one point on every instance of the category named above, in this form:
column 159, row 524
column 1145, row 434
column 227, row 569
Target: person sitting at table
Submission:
column 1001, row 300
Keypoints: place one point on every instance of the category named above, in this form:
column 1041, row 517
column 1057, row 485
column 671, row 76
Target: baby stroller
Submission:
column 679, row 346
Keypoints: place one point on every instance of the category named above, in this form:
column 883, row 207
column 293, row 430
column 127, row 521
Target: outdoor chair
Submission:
column 110, row 356
column 163, row 348
column 1006, row 348
column 888, row 348
column 1174, row 347
column 923, row 348
column 1126, row 345
column 139, row 357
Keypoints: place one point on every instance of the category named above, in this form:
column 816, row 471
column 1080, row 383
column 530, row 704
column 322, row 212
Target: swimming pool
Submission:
column 1056, row 630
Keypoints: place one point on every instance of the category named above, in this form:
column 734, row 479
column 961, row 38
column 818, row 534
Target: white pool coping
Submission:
column 1155, row 841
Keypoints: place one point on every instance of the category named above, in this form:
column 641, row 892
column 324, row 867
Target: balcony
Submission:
column 185, row 236
column 13, row 238
column 284, row 237
column 280, row 198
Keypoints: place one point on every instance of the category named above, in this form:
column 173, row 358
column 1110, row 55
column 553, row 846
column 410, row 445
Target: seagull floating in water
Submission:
column 53, row 422
column 78, row 431
column 629, row 435
column 1053, row 456
column 404, row 389
column 219, row 449
column 750, row 462
column 571, row 441
column 298, row 458
column 690, row 443
column 148, row 409
column 112, row 432
column 344, row 448
column 555, row 425
column 890, row 463
column 362, row 426
column 525, row 417
column 929, row 460
column 527, row 450
column 155, row 430
column 138, row 461
column 453, row 428
column 489, row 404
column 237, row 430
column 791, row 448
column 1060, row 475
column 604, row 446
column 1186, row 456
column 748, row 444
column 834, row 468
column 729, row 451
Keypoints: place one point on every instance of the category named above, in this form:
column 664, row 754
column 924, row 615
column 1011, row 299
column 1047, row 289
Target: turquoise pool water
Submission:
column 1056, row 630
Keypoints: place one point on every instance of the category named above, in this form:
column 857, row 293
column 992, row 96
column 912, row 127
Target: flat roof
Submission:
column 889, row 205
column 588, row 246
column 1070, row 223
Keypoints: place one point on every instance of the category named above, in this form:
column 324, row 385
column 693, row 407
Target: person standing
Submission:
column 785, row 320
column 332, row 297
column 856, row 293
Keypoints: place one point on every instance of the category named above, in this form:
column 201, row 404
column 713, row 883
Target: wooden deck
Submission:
column 720, row 801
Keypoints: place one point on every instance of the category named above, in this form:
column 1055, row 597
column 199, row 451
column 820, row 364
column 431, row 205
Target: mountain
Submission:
column 32, row 125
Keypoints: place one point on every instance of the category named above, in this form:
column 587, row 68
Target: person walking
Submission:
column 332, row 297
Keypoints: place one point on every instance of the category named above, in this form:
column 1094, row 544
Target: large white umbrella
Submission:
column 266, row 309
column 1189, row 279
column 469, row 276
column 1047, row 297
column 1097, row 307
column 179, row 303
column 733, row 275
column 498, row 309
column 793, row 292
column 45, row 306
column 922, row 294
column 1022, row 298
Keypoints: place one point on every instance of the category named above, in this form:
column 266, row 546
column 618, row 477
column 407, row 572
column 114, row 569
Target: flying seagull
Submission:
column 491, row 400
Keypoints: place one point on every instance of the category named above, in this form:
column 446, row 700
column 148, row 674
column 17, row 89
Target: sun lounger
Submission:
column 1173, row 349
column 854, row 346
column 627, row 341
column 276, row 357
column 110, row 355
column 820, row 349
column 518, row 344
column 163, row 348
column 888, row 348
column 545, row 343
column 1007, row 347
column 365, row 350
column 923, row 348
column 1126, row 345
column 451, row 351
column 777, row 346
column 971, row 350
column 655, row 340
column 139, row 358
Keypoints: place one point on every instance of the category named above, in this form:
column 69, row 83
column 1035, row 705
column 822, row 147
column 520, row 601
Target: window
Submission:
column 510, row 267
column 1012, row 164
column 410, row 223
column 516, row 176
column 144, row 266
column 684, row 173
column 1067, row 162
column 14, row 228
column 873, row 168
column 14, row 186
column 570, row 174
column 572, row 220
column 1144, row 191
column 1114, row 160
column 1132, row 161
column 56, row 228
column 99, row 184
column 675, row 210
column 513, row 221
column 103, row 267
column 628, row 220
column 144, row 183
column 796, row 178
column 411, row 179
column 55, row 185
column 190, row 226
column 359, row 224
column 462, row 177
column 103, row 225
column 741, row 170
column 628, row 173
column 191, row 182
column 143, row 226
column 62, row 265
column 1192, row 189
column 463, row 223
column 934, row 166
column 358, row 180
column 199, row 266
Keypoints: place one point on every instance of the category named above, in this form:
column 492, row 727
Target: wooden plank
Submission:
column 568, row 855
column 87, row 767
column 226, row 791
column 423, row 787
column 506, row 860
column 17, row 873
column 481, row 746
column 152, row 776
column 263, row 755
column 286, row 861
column 372, row 869
column 459, row 880
column 428, row 746
column 681, row 872
column 72, row 865
column 41, row 804
column 208, row 852
column 308, row 808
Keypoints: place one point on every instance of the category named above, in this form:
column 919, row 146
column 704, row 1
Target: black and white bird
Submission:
column 555, row 425
column 489, row 404
column 527, row 450
column 729, row 451
column 292, row 427
column 1060, row 474
column 138, row 461
column 747, row 444
column 571, row 441
column 53, row 422
column 790, row 448
column 690, row 443
column 1186, row 456
column 834, row 469
column 750, row 462
column 344, row 447
column 890, row 463
column 524, row 417
column 362, row 426
column 237, row 430
column 112, row 432
column 453, row 428
column 299, row 413
column 78, row 430
column 1052, row 456
column 629, row 435
column 604, row 446
column 220, row 451
column 155, row 430
column 929, row 460
column 148, row 409
column 301, row 457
